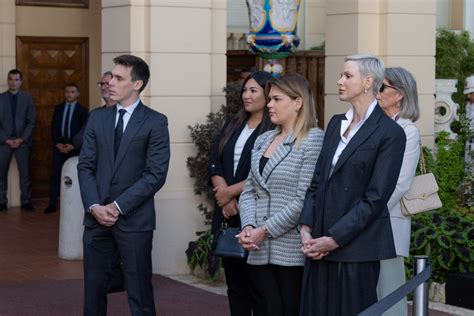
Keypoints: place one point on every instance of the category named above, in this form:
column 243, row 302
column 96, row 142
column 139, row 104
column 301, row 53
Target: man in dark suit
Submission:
column 103, row 85
column 68, row 119
column 17, row 119
column 123, row 163
column 117, row 280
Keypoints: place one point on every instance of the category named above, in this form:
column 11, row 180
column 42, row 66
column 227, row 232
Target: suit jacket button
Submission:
column 213, row 166
column 346, row 189
column 264, row 218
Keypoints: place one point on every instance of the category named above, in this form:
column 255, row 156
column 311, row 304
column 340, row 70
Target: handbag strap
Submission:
column 422, row 162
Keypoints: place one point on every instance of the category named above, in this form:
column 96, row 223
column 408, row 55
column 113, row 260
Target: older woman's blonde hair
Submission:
column 369, row 65
column 296, row 86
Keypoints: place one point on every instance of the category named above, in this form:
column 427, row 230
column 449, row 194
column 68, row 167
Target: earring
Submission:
column 365, row 90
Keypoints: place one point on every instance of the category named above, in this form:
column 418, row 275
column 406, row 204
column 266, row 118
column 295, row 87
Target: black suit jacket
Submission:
column 134, row 176
column 78, row 119
column 350, row 204
column 224, row 166
column 24, row 118
column 77, row 138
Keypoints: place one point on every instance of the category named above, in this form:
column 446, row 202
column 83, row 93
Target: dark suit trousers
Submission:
column 238, row 286
column 102, row 245
column 338, row 288
column 22, row 156
column 55, row 186
column 276, row 289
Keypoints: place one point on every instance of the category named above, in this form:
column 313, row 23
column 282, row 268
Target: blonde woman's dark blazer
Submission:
column 350, row 203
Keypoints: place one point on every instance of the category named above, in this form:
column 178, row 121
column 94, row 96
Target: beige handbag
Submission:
column 423, row 193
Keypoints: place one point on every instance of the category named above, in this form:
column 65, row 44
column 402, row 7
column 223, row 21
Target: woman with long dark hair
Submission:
column 230, row 165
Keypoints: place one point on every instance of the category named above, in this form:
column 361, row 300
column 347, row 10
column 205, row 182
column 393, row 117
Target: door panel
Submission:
column 48, row 64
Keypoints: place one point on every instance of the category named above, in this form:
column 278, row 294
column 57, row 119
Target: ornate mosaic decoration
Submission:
column 273, row 30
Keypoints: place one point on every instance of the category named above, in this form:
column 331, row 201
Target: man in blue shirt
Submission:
column 68, row 119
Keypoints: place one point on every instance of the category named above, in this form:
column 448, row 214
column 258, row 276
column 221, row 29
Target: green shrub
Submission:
column 446, row 235
column 447, row 238
column 455, row 60
column 203, row 136
column 449, row 168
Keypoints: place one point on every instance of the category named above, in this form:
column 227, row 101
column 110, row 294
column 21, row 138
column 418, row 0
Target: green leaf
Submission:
column 463, row 253
column 444, row 241
column 445, row 259
column 430, row 233
column 419, row 240
column 469, row 233
column 459, row 238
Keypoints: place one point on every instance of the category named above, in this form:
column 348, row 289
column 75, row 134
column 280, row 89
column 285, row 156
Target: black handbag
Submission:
column 226, row 245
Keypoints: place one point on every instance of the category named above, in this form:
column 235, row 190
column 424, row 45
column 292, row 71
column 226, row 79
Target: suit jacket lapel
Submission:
column 133, row 126
column 109, row 131
column 8, row 113
column 278, row 155
column 334, row 139
column 257, row 154
column 365, row 131
column 247, row 150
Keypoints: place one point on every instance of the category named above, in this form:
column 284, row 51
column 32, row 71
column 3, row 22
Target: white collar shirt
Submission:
column 344, row 141
column 128, row 113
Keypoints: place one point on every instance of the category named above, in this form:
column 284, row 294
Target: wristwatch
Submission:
column 267, row 234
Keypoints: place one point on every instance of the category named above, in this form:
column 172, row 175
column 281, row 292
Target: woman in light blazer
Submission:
column 398, row 98
column 281, row 166
column 345, row 223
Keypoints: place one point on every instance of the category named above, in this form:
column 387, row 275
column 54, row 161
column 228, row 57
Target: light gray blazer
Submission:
column 276, row 197
column 25, row 117
column 401, row 225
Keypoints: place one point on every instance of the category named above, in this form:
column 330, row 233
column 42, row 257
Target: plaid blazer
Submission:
column 275, row 197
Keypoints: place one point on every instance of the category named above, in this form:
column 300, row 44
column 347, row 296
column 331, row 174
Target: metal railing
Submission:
column 419, row 283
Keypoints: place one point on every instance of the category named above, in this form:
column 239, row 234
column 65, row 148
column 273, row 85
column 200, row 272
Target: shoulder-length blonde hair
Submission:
column 296, row 86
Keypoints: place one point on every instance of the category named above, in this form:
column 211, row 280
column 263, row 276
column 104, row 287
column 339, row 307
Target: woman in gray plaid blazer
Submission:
column 282, row 165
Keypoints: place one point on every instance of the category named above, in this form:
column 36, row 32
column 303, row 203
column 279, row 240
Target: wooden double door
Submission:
column 48, row 64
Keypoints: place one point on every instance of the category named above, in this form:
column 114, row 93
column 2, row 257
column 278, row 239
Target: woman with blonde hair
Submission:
column 282, row 162
column 345, row 224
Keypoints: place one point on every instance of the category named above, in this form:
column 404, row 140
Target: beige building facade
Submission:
column 185, row 42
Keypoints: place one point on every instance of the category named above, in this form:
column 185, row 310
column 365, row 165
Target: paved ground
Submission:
column 28, row 253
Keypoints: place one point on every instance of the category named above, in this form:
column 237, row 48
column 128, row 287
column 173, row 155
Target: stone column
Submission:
column 401, row 32
column 469, row 16
column 313, row 18
column 218, row 51
column 184, row 43
column 8, row 62
column 7, row 40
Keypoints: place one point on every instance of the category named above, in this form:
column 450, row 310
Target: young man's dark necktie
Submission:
column 119, row 131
